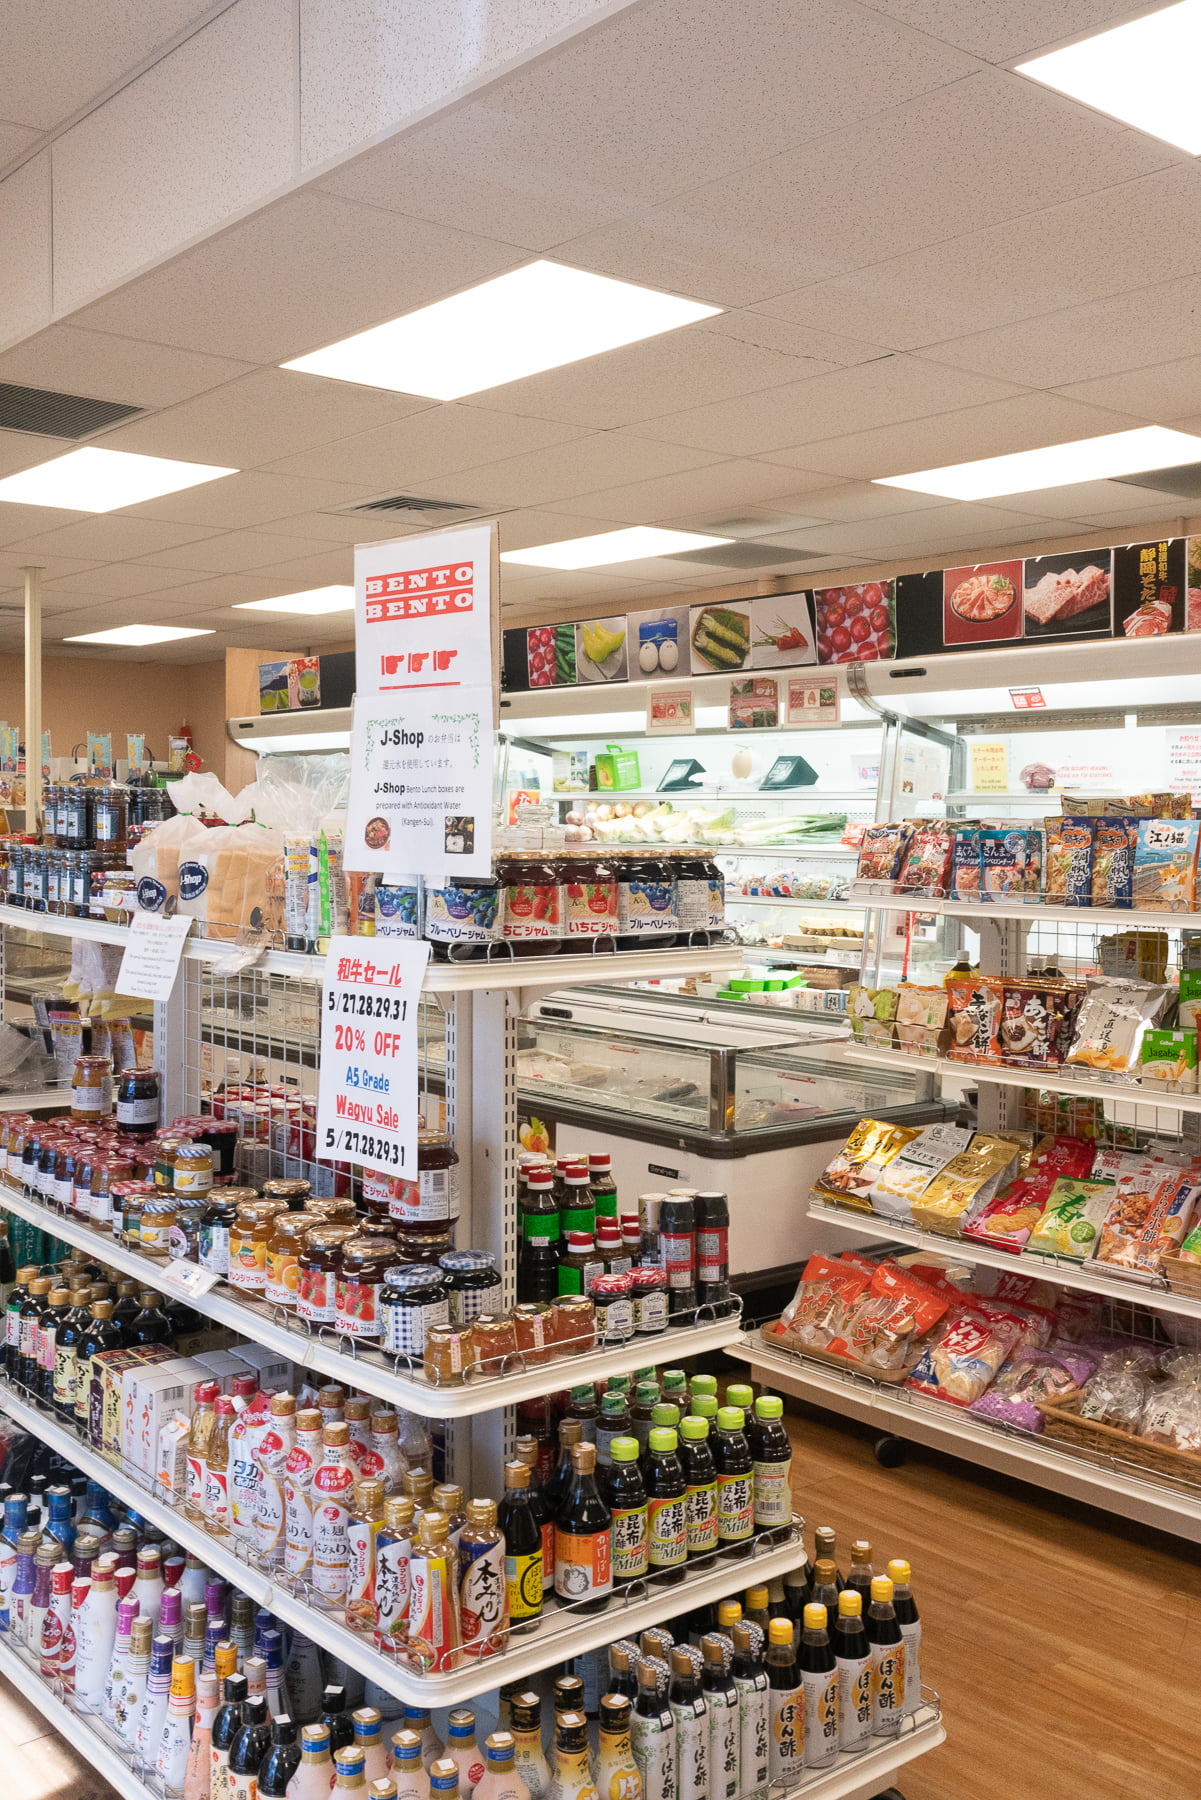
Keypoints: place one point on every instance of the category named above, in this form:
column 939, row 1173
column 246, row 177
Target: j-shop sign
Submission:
column 425, row 611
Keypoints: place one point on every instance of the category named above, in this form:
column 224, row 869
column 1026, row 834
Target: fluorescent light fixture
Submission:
column 1088, row 459
column 630, row 545
column 531, row 319
column 309, row 604
column 139, row 635
column 1143, row 72
column 97, row 481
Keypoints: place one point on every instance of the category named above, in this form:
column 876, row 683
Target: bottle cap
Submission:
column 756, row 1599
column 460, row 1722
column 815, row 1616
column 398, row 1512
column 779, row 1631
column 673, row 1381
column 861, row 1551
column 738, row 1394
column 665, row 1414
column 881, row 1589
column 624, row 1449
column 731, row 1418
column 482, row 1513
column 406, row 1746
column 729, row 1612
column 647, row 1674
column 444, row 1776
column 681, row 1662
column 583, row 1461
column 663, row 1440
column 703, row 1384
column 714, row 1650
column 499, row 1746
column 611, row 1404
column 704, row 1406
column 517, row 1474
column 694, row 1429
column 769, row 1406
column 382, row 1789
column 350, row 1761
column 850, row 1604
column 899, row 1573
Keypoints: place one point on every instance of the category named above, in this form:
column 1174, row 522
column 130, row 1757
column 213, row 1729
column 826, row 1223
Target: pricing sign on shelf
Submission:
column 367, row 1102
column 150, row 961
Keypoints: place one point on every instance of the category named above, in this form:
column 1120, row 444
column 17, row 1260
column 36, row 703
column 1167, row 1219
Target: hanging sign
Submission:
column 367, row 1101
column 669, row 710
column 150, row 961
column 811, row 702
column 421, row 784
column 426, row 610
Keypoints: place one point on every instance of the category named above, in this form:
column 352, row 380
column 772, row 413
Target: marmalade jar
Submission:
column 248, row 1240
column 193, row 1168
column 283, row 1255
column 573, row 1324
column 91, row 1088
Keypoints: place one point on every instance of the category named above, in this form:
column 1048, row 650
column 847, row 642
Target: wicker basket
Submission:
column 1183, row 1277
column 1064, row 1424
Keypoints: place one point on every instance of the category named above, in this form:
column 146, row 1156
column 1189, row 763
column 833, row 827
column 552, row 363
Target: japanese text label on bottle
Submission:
column 667, row 1531
column 735, row 1507
column 630, row 1543
column 583, row 1565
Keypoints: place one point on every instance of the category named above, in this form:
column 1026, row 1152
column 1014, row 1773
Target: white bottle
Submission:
column 95, row 1630
column 275, row 1446
column 383, row 1459
column 854, row 1663
column 369, row 1739
column 407, row 1769
column 246, row 1434
column 191, row 1582
column 721, row 1698
column 417, row 1719
column 303, row 1678
column 302, row 1463
column 750, row 1682
column 117, row 1671
column 653, row 1738
column 462, row 1749
column 130, row 1691
column 315, row 1771
column 175, row 1733
column 333, row 1485
column 500, row 1780
column 153, row 1709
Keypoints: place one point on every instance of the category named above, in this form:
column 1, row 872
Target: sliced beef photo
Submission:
column 1062, row 595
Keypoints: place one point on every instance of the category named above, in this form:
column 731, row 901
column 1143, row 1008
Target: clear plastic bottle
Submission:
column 617, row 1776
column 407, row 1769
column 571, row 1764
column 462, row 1749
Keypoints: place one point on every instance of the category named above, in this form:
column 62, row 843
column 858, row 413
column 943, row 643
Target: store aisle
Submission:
column 35, row 1762
column 1059, row 1640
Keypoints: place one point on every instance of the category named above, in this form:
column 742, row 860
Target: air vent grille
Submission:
column 410, row 503
column 57, row 415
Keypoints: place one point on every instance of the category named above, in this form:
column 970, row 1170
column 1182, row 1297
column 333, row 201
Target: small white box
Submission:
column 274, row 1371
column 152, row 1397
column 221, row 1366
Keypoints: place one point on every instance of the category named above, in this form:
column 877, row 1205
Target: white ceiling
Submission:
column 923, row 258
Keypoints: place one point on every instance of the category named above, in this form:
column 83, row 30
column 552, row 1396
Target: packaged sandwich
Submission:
column 912, row 1170
column 1071, row 1221
column 974, row 1004
column 862, row 1160
column 1165, row 865
column 1114, row 842
column 965, row 863
column 881, row 852
column 1068, row 861
column 926, row 870
column 1169, row 1061
column 967, row 1184
column 1112, row 1021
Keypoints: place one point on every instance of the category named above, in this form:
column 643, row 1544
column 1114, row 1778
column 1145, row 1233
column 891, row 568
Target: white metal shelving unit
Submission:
column 1132, row 1093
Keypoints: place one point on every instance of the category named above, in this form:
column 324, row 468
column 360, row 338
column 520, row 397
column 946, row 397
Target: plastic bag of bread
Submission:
column 1172, row 1417
column 1117, row 1394
column 155, row 860
column 226, row 882
column 888, row 1325
column 961, row 1363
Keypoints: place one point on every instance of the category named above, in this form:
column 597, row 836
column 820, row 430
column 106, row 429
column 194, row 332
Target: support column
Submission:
column 33, row 697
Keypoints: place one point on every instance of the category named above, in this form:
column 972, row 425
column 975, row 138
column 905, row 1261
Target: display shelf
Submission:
column 1102, row 1481
column 860, row 1777
column 98, row 1746
column 1032, row 912
column 714, row 791
column 1063, row 1271
column 368, row 1370
column 196, row 949
column 1133, row 1093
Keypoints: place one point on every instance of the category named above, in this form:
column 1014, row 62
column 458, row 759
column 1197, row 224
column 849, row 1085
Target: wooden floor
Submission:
column 1064, row 1643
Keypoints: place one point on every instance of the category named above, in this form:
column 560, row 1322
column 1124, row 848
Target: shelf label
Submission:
column 989, row 766
column 367, row 1101
column 1027, row 699
column 669, row 710
column 150, row 963
column 421, row 784
column 189, row 1277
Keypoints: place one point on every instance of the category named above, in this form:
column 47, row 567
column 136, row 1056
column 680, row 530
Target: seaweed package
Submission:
column 1068, row 861
column 1114, row 842
column 1112, row 1021
column 965, row 863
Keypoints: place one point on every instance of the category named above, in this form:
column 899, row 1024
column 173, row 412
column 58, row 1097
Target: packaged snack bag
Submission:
column 885, row 1329
column 921, row 1014
column 881, row 852
column 926, row 869
column 967, row 1184
column 1028, row 1377
column 1169, row 1061
column 1071, row 1221
column 863, row 1158
column 870, row 1012
column 1003, row 852
column 1114, row 842
column 1037, row 1014
column 974, row 1004
column 1068, row 865
column 1141, row 955
column 1035, row 853
column 1111, row 1024
column 962, row 1362
column 1165, row 865
column 1169, row 1229
column 826, row 1294
column 914, row 1168
column 1007, row 1221
column 965, row 863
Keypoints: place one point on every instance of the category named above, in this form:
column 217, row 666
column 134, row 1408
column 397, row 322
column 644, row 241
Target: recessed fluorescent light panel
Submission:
column 309, row 604
column 630, row 545
column 98, row 481
column 531, row 319
column 138, row 636
column 1143, row 73
column 1088, row 459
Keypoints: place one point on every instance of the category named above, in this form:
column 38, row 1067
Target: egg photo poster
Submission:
column 421, row 785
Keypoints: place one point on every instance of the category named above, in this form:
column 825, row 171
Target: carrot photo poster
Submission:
column 782, row 632
column 983, row 604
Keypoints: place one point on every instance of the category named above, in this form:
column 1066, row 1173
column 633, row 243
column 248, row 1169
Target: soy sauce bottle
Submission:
column 583, row 1541
column 667, row 1530
column 735, row 1484
column 625, row 1496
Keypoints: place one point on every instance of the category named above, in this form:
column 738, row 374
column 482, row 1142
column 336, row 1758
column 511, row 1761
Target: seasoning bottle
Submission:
column 331, row 1493
column 642, row 1412
column 434, row 1635
column 625, row 1496
column 362, row 1531
column 786, row 1705
column 735, row 1483
column 853, row 1663
column 583, row 1570
column 712, row 1218
column 823, row 1589
column 772, row 1465
column 527, row 1450
column 302, row 1463
column 905, row 1608
column 825, row 1549
column 667, row 1535
column 677, row 1239
column 522, row 1535
column 691, row 1716
column 887, row 1660
column 367, row 1738
column 700, row 1484
column 248, row 1750
column 860, row 1572
column 500, row 1779
column 408, row 1772
column 281, row 1761
column 529, row 1758
column 721, row 1704
column 653, row 1737
column 750, row 1682
column 393, row 1549
column 819, row 1678
column 204, row 1398
column 571, row 1773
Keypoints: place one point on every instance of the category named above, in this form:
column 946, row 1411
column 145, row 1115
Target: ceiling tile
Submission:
column 716, row 487
column 20, row 522
column 1020, row 269
column 1165, row 392
column 324, row 567
column 11, row 562
column 1025, row 422
column 870, row 394
column 863, row 500
column 120, row 579
column 526, row 526
column 235, row 502
column 892, row 536
column 25, row 449
column 109, row 536
column 564, row 470
column 1093, row 500
column 13, row 140
column 347, row 528
column 263, row 290
column 792, row 339
column 105, row 367
column 233, row 551
column 980, row 151
column 438, row 441
column 1005, row 31
column 1081, row 343
column 61, row 53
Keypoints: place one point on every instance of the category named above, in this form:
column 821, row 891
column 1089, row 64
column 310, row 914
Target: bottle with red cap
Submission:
column 579, row 1263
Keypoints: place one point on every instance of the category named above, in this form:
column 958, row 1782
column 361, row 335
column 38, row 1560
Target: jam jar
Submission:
column 473, row 1283
column 183, row 1240
column 294, row 1194
column 288, row 1233
column 192, row 1166
column 431, row 1203
column 248, row 1240
column 646, row 902
column 158, row 1219
column 573, row 1324
column 447, row 1353
column 534, row 923
column 493, row 1345
column 416, row 1247
column 701, row 895
column 216, row 1223
column 164, row 1149
column 110, row 818
column 317, row 1273
column 463, row 919
column 103, row 1171
column 137, row 1102
column 532, row 1324
column 590, row 897
column 91, row 1088
column 364, row 1263
column 414, row 1298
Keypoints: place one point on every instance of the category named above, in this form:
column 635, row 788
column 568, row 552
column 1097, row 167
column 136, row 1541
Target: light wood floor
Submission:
column 36, row 1763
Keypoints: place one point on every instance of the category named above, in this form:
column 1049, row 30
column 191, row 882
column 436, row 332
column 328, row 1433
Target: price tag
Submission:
column 151, row 960
column 189, row 1277
column 367, row 1105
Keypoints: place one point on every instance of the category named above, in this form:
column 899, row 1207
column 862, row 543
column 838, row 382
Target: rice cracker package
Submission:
column 1037, row 1016
column 1007, row 1221
column 825, row 1297
column 974, row 1004
column 1071, row 1221
column 1113, row 1019
column 1165, row 865
column 968, row 1354
column 886, row 1329
column 911, row 1172
column 862, row 1160
column 1068, row 861
column 921, row 1015
column 967, row 1184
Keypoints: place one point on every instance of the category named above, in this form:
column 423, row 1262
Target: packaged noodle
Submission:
column 1113, row 1019
column 967, row 1184
column 886, row 1329
column 881, row 851
column 1071, row 1221
column 1165, row 865
column 1114, row 842
column 1068, row 861
column 926, row 870
column 863, row 1158
column 962, row 1362
column 965, row 863
column 974, row 1005
column 910, row 1172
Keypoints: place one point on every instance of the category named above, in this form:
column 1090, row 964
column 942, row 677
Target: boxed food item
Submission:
column 1114, row 842
column 926, row 870
column 965, row 863
column 974, row 1005
column 1113, row 1019
column 1169, row 1061
column 1068, row 861
column 1188, row 1015
column 912, row 1170
column 1071, row 1221
column 1142, row 955
column 863, row 1158
column 921, row 1015
column 871, row 1012
column 966, row 1185
column 1165, row 865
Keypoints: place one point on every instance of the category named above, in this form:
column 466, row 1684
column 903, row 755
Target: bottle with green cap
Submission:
column 771, row 1454
column 625, row 1495
column 667, row 1531
column 642, row 1412
column 735, row 1483
column 700, row 1490
column 905, row 1608
column 614, row 1422
column 888, row 1660
column 739, row 1394
column 704, row 1406
column 673, row 1386
column 701, row 1384
column 786, row 1706
column 852, row 1657
column 665, row 1417
column 619, row 1384
column 819, row 1678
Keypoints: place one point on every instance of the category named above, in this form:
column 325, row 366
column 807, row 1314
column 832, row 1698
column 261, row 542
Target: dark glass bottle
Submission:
column 226, row 1726
column 786, row 1705
column 825, row 1547
column 625, row 1496
column 797, row 1583
column 101, row 1333
column 583, row 1405
column 58, row 1302
column 823, row 1590
column 8, row 1268
column 583, row 1567
column 819, row 1678
column 700, row 1490
column 614, row 1422
column 251, row 1745
column 571, row 1433
column 735, row 1484
column 281, row 1761
column 885, row 1637
column 527, row 1449
column 622, row 1679
column 538, row 1253
column 35, row 1304
column 151, row 1325
column 860, row 1572
column 522, row 1531
column 66, row 1350
column 125, row 1306
column 667, row 1531
column 335, row 1716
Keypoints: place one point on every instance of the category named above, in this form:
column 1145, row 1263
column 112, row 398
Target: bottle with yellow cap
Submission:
column 750, row 1682
column 786, row 1706
column 905, row 1608
column 729, row 1613
column 756, row 1608
column 819, row 1678
column 571, row 1764
column 852, row 1657
column 888, row 1660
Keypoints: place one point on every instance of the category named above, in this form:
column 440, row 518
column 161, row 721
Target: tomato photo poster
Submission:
column 855, row 624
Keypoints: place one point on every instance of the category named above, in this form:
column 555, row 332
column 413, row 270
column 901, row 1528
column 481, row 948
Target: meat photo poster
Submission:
column 1069, row 595
column 1148, row 588
column 983, row 604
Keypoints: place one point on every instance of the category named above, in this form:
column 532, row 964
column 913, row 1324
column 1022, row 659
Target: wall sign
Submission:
column 1026, row 699
column 811, row 702
column 367, row 1101
column 668, row 710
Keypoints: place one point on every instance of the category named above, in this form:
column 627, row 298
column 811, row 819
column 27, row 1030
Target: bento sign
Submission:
column 420, row 593
column 424, row 611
